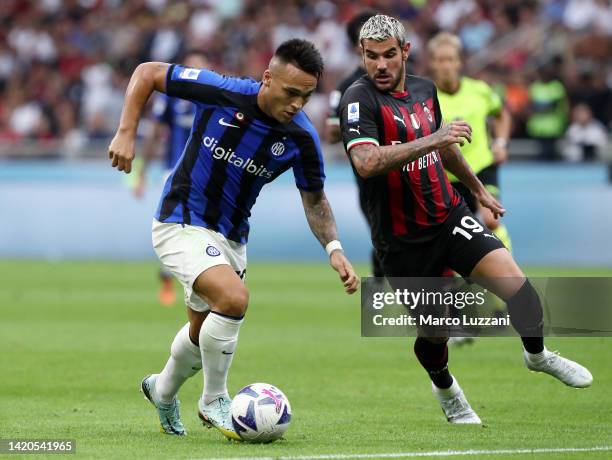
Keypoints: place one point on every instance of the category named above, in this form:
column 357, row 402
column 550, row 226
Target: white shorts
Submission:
column 187, row 251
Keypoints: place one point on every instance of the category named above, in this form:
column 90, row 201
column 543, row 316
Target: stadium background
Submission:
column 79, row 321
column 64, row 66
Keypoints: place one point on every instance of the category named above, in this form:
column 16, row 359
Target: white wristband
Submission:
column 501, row 141
column 332, row 246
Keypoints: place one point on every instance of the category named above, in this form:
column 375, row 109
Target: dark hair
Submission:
column 353, row 27
column 301, row 53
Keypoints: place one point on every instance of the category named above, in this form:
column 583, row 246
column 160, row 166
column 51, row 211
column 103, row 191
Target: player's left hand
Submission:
column 487, row 200
column 500, row 152
column 340, row 263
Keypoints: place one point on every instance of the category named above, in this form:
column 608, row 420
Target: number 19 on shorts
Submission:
column 468, row 224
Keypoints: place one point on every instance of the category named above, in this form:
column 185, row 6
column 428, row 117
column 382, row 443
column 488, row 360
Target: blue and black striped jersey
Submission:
column 234, row 149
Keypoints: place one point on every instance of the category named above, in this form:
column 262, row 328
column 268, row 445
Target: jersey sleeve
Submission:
column 308, row 167
column 358, row 118
column 203, row 85
column 494, row 102
column 161, row 111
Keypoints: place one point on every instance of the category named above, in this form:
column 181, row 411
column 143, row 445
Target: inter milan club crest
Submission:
column 239, row 116
column 416, row 124
column 212, row 251
column 277, row 149
column 428, row 113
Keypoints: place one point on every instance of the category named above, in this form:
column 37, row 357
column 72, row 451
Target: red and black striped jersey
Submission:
column 409, row 204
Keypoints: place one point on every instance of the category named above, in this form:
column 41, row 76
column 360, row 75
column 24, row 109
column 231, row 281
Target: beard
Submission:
column 391, row 84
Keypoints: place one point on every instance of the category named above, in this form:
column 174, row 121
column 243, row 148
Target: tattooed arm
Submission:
column 371, row 160
column 323, row 225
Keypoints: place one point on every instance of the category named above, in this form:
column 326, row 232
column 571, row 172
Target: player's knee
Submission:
column 233, row 302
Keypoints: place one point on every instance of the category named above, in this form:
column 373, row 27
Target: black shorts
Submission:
column 490, row 179
column 459, row 245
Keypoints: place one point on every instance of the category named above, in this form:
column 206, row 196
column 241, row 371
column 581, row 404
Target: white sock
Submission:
column 218, row 340
column 450, row 392
column 185, row 361
column 536, row 357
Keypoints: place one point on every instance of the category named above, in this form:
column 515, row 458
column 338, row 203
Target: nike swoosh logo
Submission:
column 224, row 123
column 226, row 353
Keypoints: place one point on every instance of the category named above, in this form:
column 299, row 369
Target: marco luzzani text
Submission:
column 434, row 299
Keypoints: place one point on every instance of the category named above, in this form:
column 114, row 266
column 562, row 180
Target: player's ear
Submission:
column 362, row 51
column 405, row 51
column 267, row 76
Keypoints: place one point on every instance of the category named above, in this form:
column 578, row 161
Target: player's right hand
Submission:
column 455, row 132
column 121, row 151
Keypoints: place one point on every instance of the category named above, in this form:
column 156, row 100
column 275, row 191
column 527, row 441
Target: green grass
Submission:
column 76, row 339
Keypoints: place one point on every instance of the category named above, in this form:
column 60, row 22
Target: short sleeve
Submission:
column 161, row 109
column 203, row 85
column 494, row 102
column 308, row 166
column 358, row 118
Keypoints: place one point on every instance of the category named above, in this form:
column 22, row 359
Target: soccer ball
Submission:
column 260, row 413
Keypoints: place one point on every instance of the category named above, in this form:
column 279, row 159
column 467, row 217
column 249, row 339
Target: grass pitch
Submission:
column 76, row 339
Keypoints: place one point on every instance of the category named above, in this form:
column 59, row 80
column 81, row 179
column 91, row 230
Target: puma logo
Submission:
column 401, row 120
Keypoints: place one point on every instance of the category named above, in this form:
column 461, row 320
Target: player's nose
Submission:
column 296, row 106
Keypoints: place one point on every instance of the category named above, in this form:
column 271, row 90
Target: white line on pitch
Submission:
column 437, row 453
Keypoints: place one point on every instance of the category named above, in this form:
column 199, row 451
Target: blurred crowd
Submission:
column 64, row 65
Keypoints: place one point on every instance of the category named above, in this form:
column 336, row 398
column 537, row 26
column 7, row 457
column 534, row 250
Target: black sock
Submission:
column 533, row 344
column 434, row 358
column 526, row 317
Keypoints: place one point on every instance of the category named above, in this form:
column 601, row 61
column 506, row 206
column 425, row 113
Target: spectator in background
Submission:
column 585, row 136
column 517, row 101
column 549, row 112
column 476, row 31
column 591, row 90
column 449, row 13
column 80, row 51
column 589, row 14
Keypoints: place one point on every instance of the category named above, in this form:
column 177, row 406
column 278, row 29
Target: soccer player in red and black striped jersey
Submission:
column 393, row 133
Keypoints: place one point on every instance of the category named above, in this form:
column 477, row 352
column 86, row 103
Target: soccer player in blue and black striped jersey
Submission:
column 245, row 134
column 172, row 118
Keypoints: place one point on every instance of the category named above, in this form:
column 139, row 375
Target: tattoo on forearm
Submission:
column 320, row 216
column 373, row 160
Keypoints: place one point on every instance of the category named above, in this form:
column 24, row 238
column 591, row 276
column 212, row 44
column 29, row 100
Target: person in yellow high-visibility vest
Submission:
column 475, row 102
